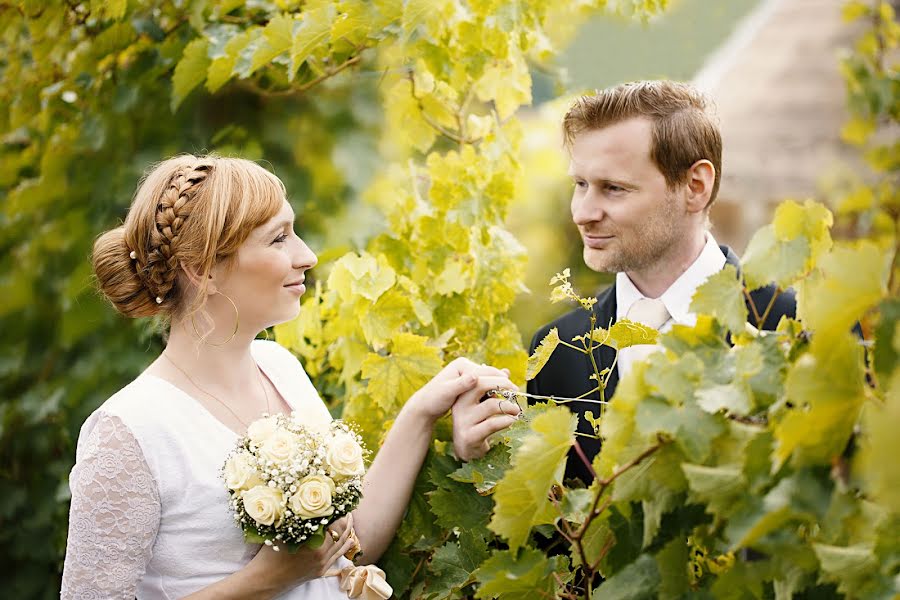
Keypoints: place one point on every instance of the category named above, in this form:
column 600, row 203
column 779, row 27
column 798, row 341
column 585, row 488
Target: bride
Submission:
column 209, row 244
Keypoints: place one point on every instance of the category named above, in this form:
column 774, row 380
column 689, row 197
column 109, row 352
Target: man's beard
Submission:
column 640, row 249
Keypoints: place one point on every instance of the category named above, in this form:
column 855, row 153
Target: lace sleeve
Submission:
column 114, row 515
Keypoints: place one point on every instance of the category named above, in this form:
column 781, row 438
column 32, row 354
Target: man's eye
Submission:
column 280, row 238
column 614, row 188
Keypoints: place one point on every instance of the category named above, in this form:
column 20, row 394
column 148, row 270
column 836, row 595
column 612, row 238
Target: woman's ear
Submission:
column 196, row 279
column 700, row 180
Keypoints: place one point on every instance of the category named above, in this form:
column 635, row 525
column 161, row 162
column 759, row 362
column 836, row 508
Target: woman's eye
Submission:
column 280, row 238
column 580, row 184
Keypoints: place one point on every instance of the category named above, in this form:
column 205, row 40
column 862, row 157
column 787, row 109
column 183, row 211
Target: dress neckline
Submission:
column 199, row 407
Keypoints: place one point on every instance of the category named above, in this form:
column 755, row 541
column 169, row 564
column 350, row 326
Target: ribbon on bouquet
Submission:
column 366, row 582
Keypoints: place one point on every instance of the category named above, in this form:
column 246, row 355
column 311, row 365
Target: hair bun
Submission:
column 116, row 272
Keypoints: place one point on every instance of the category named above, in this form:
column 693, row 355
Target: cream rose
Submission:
column 240, row 474
column 317, row 422
column 262, row 429
column 313, row 497
column 280, row 447
column 264, row 504
column 345, row 456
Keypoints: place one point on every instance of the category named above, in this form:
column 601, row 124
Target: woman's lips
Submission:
column 298, row 287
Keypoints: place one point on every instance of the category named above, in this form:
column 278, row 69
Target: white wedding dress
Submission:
column 149, row 515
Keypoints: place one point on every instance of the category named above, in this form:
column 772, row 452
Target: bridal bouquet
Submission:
column 288, row 480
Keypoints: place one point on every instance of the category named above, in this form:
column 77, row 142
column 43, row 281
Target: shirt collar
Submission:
column 679, row 295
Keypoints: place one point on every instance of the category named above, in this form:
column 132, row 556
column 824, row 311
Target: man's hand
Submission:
column 474, row 421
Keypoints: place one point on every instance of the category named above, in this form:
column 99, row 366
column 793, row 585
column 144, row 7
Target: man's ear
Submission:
column 700, row 180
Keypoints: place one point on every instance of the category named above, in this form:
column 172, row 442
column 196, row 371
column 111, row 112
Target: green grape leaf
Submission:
column 222, row 67
column 638, row 581
column 721, row 296
column 850, row 566
column 692, row 429
column 522, row 575
column 851, row 280
column 454, row 563
column 734, row 399
column 485, row 472
column 877, row 460
column 277, row 38
column 887, row 339
column 542, row 354
column 190, row 70
column 395, row 377
column 826, row 390
column 311, row 32
column 717, row 487
column 768, row 260
column 811, row 220
column 385, row 318
column 454, row 505
column 361, row 275
column 625, row 333
column 522, row 495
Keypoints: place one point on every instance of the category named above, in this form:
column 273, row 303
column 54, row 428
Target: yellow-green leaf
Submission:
column 522, row 495
column 851, row 279
column 395, row 377
column 542, row 354
column 721, row 296
column 625, row 333
column 190, row 71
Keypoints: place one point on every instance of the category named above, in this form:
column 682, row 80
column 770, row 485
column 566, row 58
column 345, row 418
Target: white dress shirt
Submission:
column 677, row 299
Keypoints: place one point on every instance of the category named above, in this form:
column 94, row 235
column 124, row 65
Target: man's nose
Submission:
column 586, row 208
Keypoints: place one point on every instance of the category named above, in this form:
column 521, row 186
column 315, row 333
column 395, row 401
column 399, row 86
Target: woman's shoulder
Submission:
column 274, row 355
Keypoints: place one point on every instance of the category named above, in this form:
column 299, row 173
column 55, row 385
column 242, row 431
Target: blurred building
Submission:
column 781, row 102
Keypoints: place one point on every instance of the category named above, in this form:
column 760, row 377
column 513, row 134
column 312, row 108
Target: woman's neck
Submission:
column 225, row 370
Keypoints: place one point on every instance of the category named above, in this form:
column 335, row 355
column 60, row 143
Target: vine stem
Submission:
column 309, row 84
column 768, row 310
column 752, row 307
column 575, row 539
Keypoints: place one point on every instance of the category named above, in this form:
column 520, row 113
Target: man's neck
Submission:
column 654, row 280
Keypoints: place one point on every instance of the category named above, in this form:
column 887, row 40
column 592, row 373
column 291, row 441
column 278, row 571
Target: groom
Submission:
column 646, row 162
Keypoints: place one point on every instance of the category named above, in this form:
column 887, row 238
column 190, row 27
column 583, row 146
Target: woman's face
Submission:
column 265, row 280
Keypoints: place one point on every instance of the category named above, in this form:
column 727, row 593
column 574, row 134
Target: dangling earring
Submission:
column 237, row 322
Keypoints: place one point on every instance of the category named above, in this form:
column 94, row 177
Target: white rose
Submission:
column 280, row 447
column 316, row 422
column 262, row 429
column 345, row 456
column 313, row 497
column 264, row 504
column 240, row 474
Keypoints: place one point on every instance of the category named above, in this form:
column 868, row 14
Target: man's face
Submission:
column 627, row 216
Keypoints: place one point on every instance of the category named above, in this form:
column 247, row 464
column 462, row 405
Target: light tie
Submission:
column 651, row 312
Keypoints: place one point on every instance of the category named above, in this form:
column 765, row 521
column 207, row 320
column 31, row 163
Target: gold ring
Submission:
column 334, row 535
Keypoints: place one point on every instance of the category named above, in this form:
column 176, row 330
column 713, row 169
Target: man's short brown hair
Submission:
column 683, row 130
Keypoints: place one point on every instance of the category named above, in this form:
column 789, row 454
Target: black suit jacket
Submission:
column 566, row 373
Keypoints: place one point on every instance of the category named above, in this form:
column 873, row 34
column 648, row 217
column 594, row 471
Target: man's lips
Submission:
column 596, row 241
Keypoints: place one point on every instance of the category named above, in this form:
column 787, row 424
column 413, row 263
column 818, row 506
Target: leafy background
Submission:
column 394, row 127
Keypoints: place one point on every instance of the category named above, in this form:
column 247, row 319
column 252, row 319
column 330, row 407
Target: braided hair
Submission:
column 188, row 212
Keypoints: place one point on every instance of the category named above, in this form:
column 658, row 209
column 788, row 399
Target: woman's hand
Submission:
column 435, row 398
column 474, row 421
column 280, row 570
